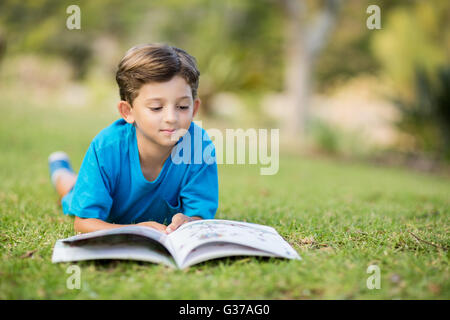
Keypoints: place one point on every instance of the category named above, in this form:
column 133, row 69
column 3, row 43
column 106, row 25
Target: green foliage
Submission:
column 332, row 140
column 414, row 36
column 412, row 49
column 325, row 137
column 237, row 43
column 40, row 27
column 348, row 53
column 427, row 115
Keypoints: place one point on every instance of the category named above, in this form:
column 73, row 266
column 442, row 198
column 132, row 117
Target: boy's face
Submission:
column 161, row 107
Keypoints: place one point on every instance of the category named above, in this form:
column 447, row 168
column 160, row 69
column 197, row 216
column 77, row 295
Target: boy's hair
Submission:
column 154, row 63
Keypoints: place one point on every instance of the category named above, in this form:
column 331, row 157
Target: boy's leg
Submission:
column 64, row 182
column 61, row 173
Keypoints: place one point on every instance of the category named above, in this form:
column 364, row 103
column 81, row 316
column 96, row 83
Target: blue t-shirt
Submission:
column 111, row 186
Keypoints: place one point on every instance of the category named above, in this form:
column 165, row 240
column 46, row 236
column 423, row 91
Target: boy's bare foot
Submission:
column 61, row 173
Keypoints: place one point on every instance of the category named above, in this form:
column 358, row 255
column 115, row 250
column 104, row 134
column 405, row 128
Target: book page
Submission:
column 141, row 251
column 114, row 243
column 146, row 232
column 197, row 233
column 215, row 250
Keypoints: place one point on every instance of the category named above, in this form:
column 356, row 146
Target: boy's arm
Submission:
column 84, row 225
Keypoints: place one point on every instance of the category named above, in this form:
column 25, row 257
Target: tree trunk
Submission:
column 303, row 43
column 297, row 81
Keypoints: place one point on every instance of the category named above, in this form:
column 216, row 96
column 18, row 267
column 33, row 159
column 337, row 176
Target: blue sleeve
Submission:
column 200, row 196
column 91, row 195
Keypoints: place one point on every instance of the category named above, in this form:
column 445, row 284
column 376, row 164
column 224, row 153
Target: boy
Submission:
column 127, row 175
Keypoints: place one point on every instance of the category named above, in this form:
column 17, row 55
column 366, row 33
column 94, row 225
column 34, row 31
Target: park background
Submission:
column 364, row 123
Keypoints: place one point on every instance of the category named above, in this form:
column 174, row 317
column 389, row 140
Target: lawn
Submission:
column 340, row 217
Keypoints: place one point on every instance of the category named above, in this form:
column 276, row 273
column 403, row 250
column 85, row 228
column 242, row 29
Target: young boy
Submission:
column 127, row 175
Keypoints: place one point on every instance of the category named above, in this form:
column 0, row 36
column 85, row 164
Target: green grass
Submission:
column 340, row 217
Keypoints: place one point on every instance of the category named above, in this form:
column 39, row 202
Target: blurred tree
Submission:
column 245, row 46
column 304, row 41
column 40, row 27
column 413, row 50
column 416, row 35
column 427, row 115
column 2, row 46
column 237, row 43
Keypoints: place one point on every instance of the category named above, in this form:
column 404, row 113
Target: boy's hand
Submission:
column 153, row 224
column 178, row 220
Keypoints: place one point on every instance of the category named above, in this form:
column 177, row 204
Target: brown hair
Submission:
column 154, row 63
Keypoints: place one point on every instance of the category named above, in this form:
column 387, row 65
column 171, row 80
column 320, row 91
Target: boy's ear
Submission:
column 125, row 111
column 197, row 103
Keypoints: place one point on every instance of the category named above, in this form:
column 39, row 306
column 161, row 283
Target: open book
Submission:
column 191, row 243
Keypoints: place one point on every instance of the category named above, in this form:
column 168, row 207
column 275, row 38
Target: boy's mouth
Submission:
column 168, row 131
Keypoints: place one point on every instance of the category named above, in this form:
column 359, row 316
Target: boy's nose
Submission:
column 170, row 115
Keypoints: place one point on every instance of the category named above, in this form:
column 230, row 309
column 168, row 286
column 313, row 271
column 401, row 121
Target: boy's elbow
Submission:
column 78, row 224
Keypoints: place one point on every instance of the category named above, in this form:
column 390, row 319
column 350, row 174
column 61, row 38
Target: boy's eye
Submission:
column 159, row 108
